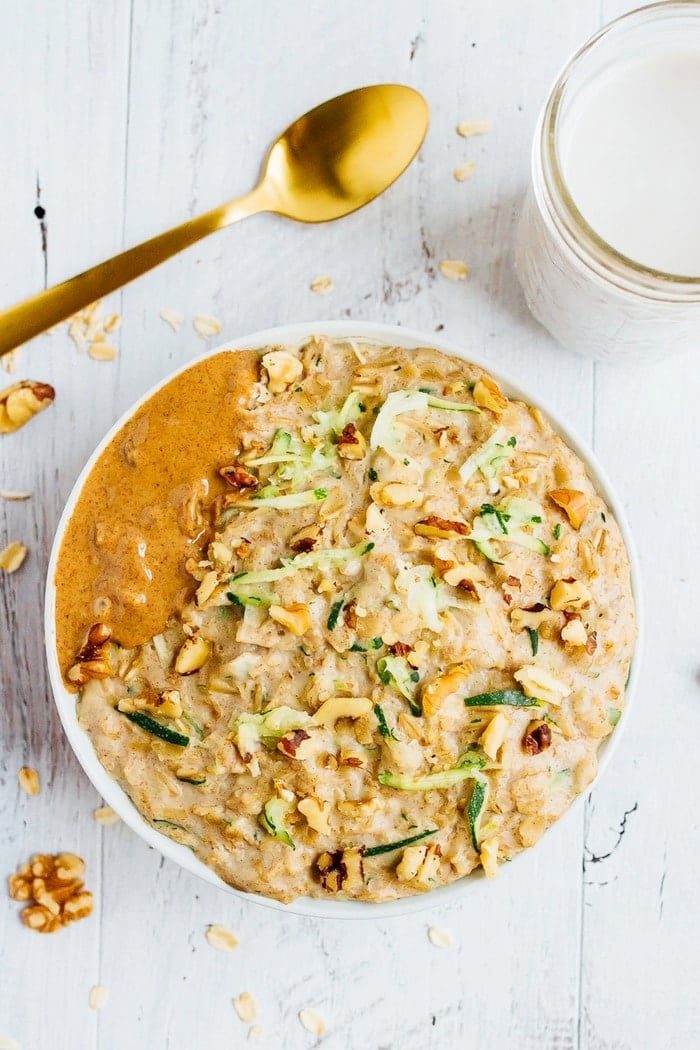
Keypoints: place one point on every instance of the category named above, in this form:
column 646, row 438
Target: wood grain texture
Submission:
column 133, row 115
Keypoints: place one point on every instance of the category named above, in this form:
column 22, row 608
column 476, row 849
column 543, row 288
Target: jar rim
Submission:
column 598, row 252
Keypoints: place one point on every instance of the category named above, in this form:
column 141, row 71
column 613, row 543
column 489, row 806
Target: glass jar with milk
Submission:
column 608, row 245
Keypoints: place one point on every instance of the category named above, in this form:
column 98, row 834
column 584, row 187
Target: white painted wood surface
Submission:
column 129, row 115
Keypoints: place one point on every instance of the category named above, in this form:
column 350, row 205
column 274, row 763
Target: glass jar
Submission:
column 592, row 298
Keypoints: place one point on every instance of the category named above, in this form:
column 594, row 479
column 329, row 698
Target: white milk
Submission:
column 630, row 155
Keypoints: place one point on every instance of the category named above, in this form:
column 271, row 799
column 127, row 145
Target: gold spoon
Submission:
column 328, row 163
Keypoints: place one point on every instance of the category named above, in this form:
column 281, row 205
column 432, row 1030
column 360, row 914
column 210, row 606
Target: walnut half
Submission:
column 52, row 885
column 21, row 401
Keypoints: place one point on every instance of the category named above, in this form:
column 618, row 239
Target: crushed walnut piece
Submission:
column 454, row 269
column 53, row 889
column 12, row 557
column 21, row 402
column 29, row 780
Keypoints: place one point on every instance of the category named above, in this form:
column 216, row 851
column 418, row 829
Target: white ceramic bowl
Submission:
column 110, row 790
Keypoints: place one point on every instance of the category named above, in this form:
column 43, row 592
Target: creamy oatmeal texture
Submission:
column 349, row 621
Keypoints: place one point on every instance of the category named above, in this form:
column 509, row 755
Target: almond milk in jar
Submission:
column 608, row 245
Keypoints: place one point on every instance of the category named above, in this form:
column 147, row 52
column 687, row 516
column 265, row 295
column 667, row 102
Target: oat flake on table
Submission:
column 205, row 325
column 106, row 816
column 14, row 496
column 12, row 557
column 174, row 318
column 221, row 938
column 7, row 1043
column 454, row 269
column 245, row 1006
column 29, row 780
column 312, row 1020
column 255, row 1033
column 465, row 171
column 440, row 938
column 99, row 994
column 468, row 128
column 322, row 285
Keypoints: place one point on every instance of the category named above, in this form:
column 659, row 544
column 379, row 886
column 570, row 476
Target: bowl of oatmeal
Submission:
column 340, row 619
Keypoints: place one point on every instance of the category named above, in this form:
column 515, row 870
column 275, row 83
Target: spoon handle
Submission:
column 27, row 319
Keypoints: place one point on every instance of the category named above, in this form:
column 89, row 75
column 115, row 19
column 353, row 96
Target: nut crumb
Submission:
column 100, row 351
column 221, row 938
column 440, row 938
column 12, row 557
column 255, row 1033
column 106, row 816
column 245, row 1006
column 465, row 171
column 454, row 269
column 473, row 127
column 312, row 1020
column 11, row 361
column 322, row 285
column 29, row 780
column 174, row 318
column 99, row 994
column 14, row 496
column 205, row 325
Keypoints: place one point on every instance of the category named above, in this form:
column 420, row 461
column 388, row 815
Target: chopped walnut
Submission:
column 575, row 504
column 538, row 737
column 295, row 617
column 53, row 885
column 238, row 477
column 400, row 648
column 282, row 368
column 440, row 527
column 351, row 443
column 437, row 691
column 488, row 394
column 21, row 401
column 297, row 743
column 93, row 659
column 193, row 654
column 306, row 539
column 342, row 870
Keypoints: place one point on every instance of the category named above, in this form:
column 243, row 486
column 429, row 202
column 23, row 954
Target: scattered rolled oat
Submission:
column 106, row 816
column 322, row 285
column 465, row 171
column 101, row 351
column 454, row 269
column 205, row 325
column 21, row 402
column 7, row 1043
column 14, row 496
column 255, row 1033
column 88, row 328
column 29, row 780
column 312, row 1021
column 99, row 994
column 174, row 318
column 440, row 938
column 221, row 939
column 245, row 1006
column 473, row 127
column 54, row 890
column 12, row 556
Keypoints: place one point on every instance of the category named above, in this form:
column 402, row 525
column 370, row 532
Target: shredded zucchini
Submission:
column 385, row 432
column 375, row 851
column 395, row 671
column 502, row 698
column 476, row 807
column 272, row 818
column 465, row 769
column 490, row 459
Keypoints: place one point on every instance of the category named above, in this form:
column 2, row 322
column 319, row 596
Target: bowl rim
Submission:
column 114, row 795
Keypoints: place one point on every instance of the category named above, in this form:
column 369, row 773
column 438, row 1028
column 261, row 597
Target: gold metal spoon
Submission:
column 328, row 163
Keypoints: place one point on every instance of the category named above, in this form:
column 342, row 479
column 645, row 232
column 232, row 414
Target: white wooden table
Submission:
column 121, row 118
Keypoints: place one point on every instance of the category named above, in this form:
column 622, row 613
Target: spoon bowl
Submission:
column 345, row 152
column 328, row 163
